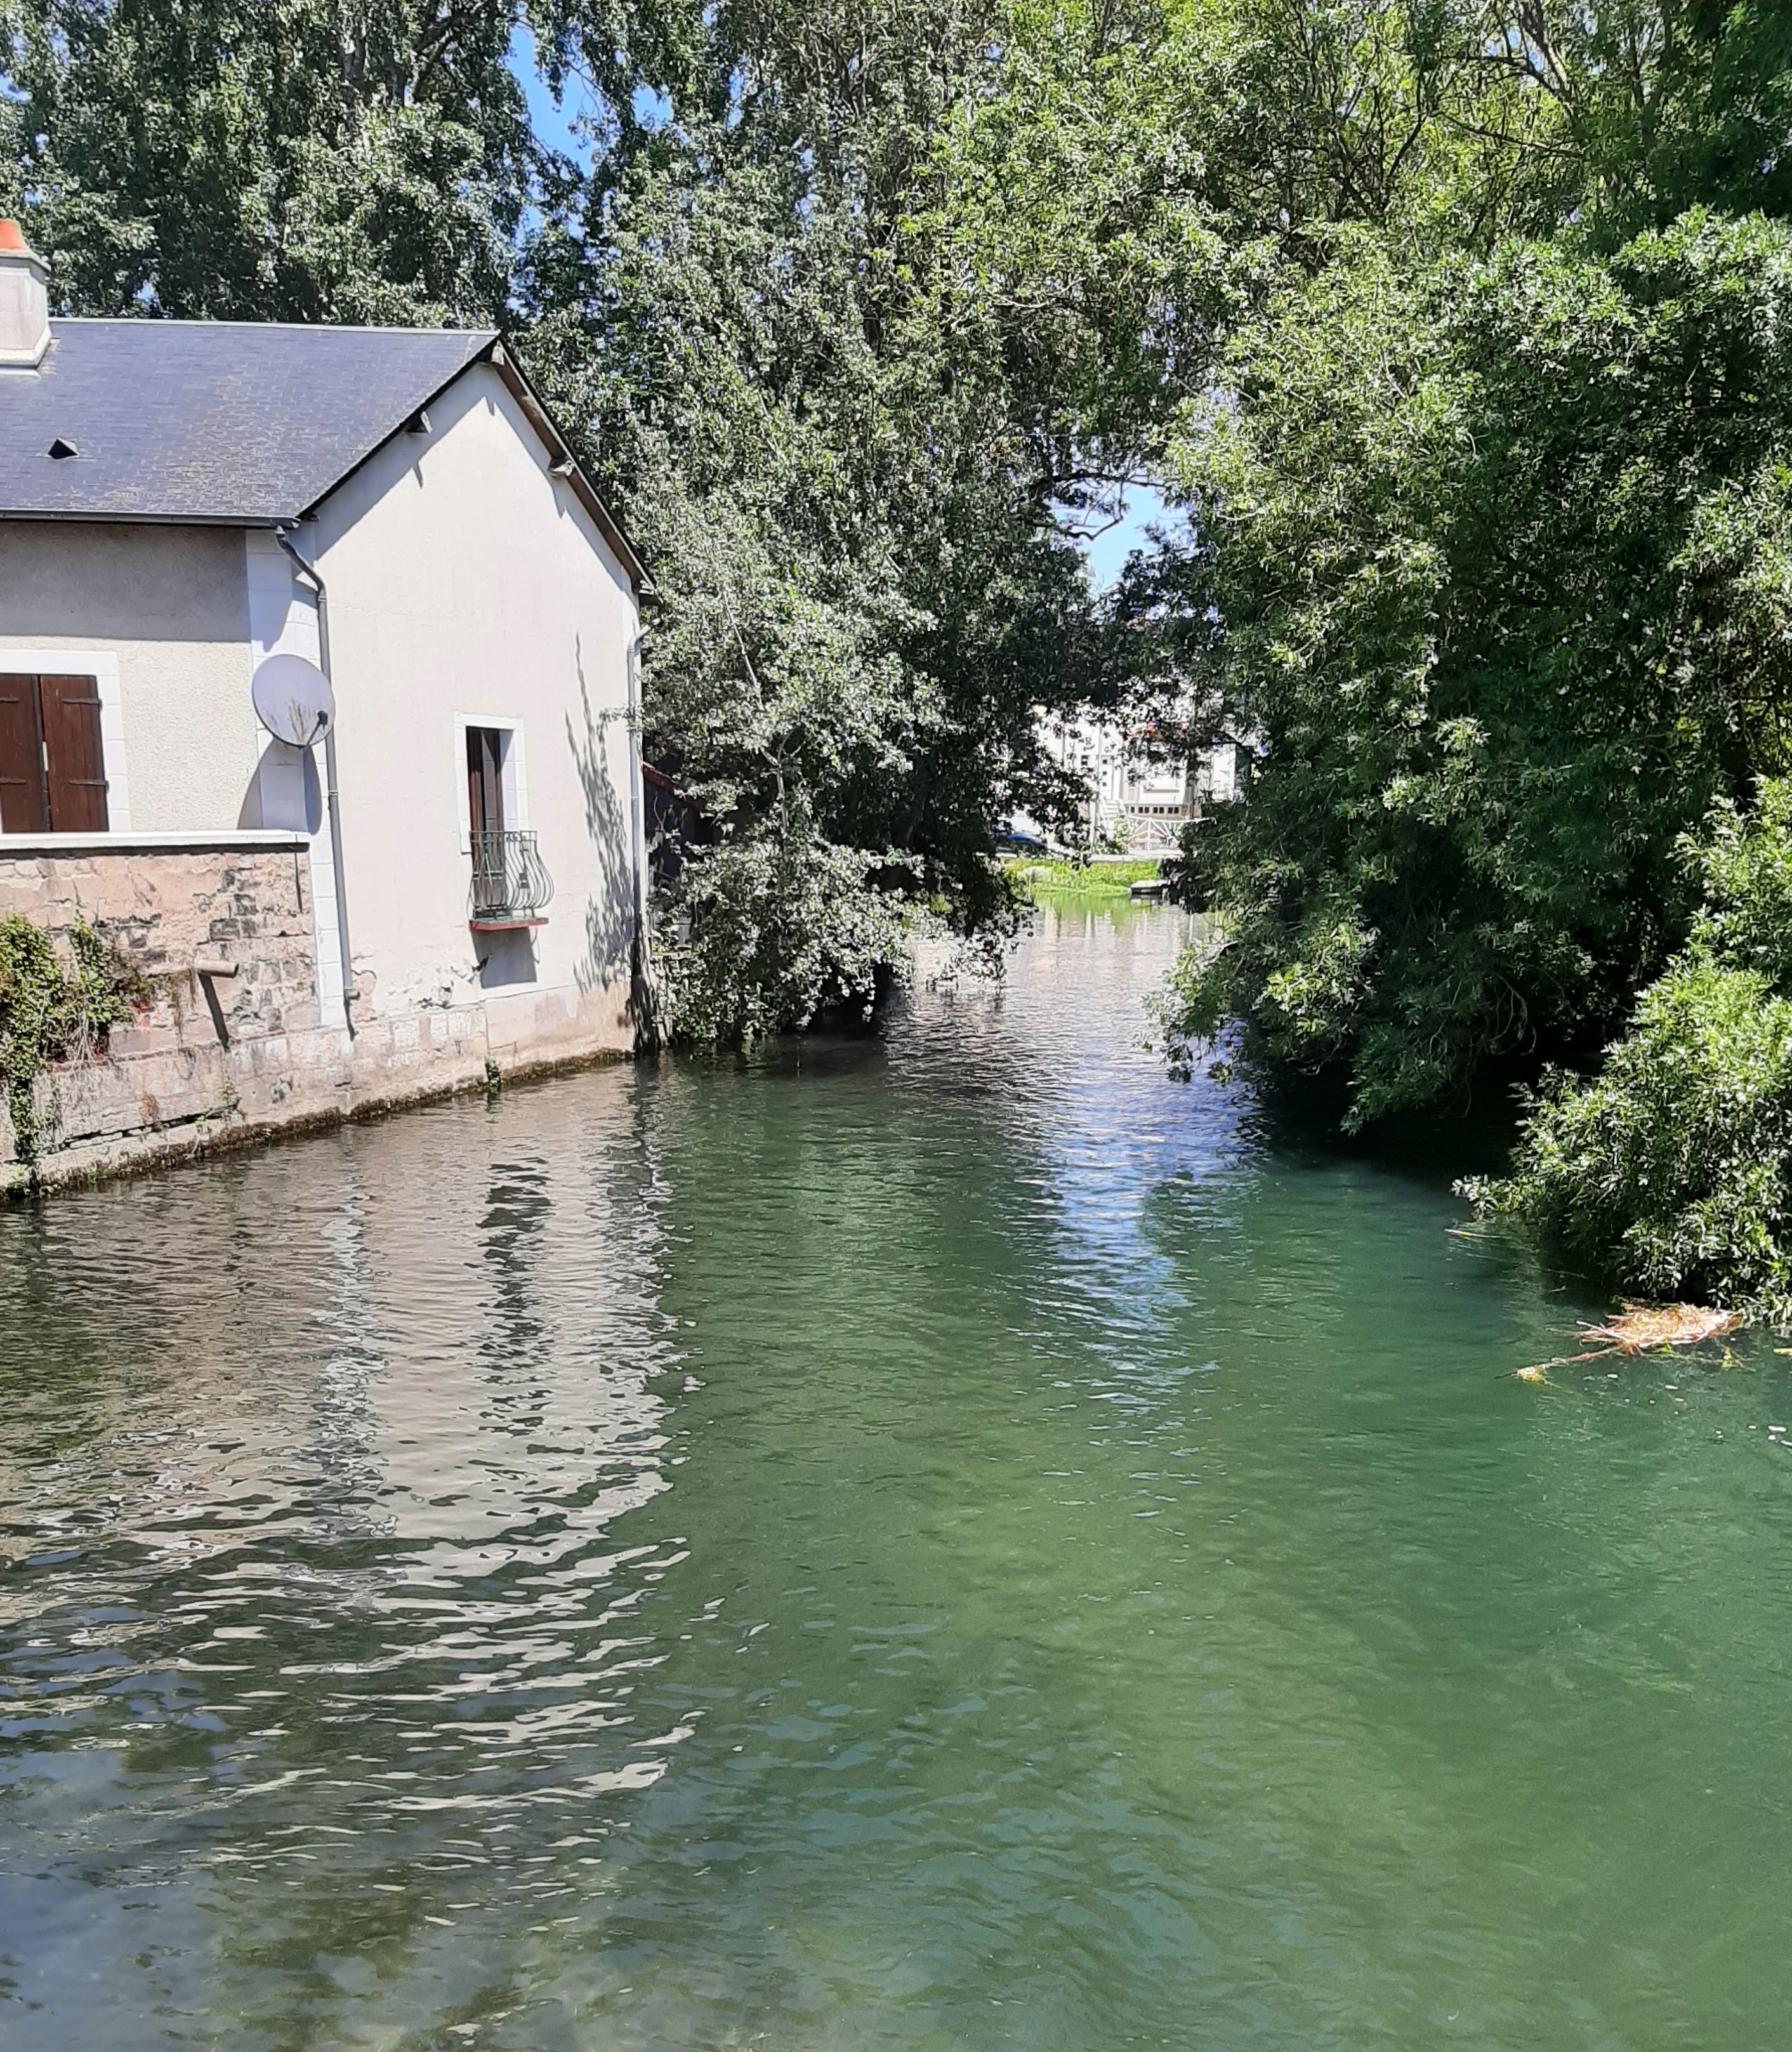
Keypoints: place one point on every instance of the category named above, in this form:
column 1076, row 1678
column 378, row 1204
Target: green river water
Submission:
column 945, row 1541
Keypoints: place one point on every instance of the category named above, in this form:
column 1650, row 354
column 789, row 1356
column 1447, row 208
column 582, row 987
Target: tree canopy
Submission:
column 324, row 160
column 1499, row 547
column 1454, row 328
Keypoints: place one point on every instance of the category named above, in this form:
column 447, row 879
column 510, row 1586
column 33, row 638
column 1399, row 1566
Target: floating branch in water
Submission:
column 1642, row 1329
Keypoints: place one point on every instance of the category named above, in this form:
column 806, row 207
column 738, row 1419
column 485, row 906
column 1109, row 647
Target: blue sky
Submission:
column 1107, row 553
column 552, row 124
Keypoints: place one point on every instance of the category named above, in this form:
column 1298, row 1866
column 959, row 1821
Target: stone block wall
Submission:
column 242, row 911
column 230, row 1046
column 221, row 934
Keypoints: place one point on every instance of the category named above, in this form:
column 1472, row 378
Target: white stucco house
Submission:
column 179, row 500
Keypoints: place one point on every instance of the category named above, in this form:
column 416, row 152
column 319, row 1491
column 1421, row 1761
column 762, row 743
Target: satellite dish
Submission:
column 293, row 700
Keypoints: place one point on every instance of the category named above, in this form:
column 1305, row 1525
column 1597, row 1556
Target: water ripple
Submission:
column 946, row 1539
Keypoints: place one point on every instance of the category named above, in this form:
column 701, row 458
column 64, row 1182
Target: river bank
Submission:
column 1103, row 876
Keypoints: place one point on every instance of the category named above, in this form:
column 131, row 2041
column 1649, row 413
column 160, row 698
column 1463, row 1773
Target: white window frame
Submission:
column 513, row 772
column 101, row 664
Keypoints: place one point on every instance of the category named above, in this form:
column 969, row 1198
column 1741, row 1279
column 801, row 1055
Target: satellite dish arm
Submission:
column 284, row 536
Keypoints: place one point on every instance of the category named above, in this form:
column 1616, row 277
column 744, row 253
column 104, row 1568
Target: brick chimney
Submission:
column 24, row 302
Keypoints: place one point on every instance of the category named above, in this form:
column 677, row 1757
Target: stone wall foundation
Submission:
column 230, row 1050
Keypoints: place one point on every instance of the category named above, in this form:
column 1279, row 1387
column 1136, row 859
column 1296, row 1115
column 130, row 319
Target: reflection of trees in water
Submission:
column 416, row 1430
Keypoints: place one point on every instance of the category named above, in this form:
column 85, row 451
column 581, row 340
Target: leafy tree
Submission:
column 1655, row 105
column 337, row 160
column 845, row 490
column 1670, row 1172
column 1499, row 550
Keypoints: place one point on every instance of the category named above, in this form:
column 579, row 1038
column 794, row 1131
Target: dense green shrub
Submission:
column 1497, row 551
column 775, row 930
column 1670, row 1172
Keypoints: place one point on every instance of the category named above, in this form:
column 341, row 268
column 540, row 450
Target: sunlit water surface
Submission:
column 948, row 1541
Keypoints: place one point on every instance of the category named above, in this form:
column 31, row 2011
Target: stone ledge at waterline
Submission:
column 231, row 1048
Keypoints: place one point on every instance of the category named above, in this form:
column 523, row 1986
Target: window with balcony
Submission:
column 52, row 772
column 510, row 886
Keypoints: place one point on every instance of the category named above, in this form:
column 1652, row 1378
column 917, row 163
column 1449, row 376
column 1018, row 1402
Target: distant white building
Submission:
column 1137, row 802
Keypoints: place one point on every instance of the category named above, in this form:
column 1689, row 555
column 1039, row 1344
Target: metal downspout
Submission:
column 284, row 536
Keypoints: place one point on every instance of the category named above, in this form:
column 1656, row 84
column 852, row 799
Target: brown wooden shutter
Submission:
column 23, row 795
column 78, row 765
column 485, row 789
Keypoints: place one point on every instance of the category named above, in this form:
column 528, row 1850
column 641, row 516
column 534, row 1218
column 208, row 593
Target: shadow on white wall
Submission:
column 610, row 910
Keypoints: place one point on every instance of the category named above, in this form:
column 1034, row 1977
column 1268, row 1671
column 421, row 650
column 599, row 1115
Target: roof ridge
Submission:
column 295, row 328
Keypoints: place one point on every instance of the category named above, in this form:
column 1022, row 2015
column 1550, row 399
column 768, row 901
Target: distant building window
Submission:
column 52, row 773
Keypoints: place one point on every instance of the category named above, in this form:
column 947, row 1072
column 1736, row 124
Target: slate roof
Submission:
column 246, row 423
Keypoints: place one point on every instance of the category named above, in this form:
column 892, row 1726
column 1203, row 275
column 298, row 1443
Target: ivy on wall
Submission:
column 53, row 1013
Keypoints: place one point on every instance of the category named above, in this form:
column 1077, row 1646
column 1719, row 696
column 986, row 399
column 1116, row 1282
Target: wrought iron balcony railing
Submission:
column 511, row 885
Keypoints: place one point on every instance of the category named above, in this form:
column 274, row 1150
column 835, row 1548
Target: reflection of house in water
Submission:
column 1140, row 798
column 328, row 1452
